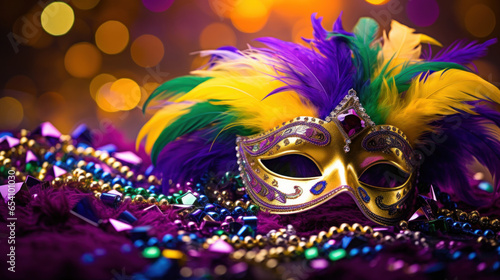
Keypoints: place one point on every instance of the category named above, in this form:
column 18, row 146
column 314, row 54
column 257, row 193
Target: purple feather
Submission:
column 322, row 76
column 465, row 137
column 194, row 155
column 460, row 52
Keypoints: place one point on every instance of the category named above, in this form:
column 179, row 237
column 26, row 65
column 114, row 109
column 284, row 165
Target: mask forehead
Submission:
column 343, row 147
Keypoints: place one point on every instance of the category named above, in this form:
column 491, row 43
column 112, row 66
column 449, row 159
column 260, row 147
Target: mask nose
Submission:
column 336, row 173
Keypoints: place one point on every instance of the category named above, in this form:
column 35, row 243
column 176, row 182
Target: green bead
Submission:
column 31, row 167
column 253, row 209
column 186, row 199
column 220, row 232
column 2, row 170
column 337, row 254
column 161, row 196
column 170, row 199
column 154, row 195
column 151, row 252
column 486, row 186
column 141, row 191
column 128, row 190
column 311, row 253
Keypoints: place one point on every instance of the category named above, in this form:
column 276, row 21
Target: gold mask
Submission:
column 373, row 164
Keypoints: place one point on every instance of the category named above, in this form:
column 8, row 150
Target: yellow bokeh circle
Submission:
column 480, row 20
column 112, row 37
column 82, row 60
column 121, row 95
column 98, row 81
column 147, row 50
column 250, row 16
column 57, row 18
column 217, row 35
column 11, row 113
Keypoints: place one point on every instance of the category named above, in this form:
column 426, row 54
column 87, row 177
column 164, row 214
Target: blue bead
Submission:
column 70, row 162
column 353, row 252
column 129, row 183
column 495, row 266
column 149, row 170
column 488, row 233
column 245, row 231
column 152, row 189
column 126, row 248
column 214, row 215
column 466, row 226
column 203, row 200
column 58, row 163
column 127, row 217
column 224, row 213
column 153, row 241
column 157, row 270
column 87, row 258
column 456, row 226
column 251, row 221
column 453, row 206
column 478, row 232
column 193, row 236
column 115, row 180
column 456, row 255
column 472, row 256
column 379, row 247
column 90, row 166
column 169, row 241
column 139, row 243
column 238, row 211
column 441, row 218
column 366, row 250
column 106, row 176
column 123, row 181
column 110, row 199
column 49, row 156
column 449, row 221
column 98, row 172
column 209, row 208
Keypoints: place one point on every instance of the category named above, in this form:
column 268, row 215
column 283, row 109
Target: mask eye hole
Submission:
column 293, row 165
column 384, row 175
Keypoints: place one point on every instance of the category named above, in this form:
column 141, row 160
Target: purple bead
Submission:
column 7, row 142
column 46, row 129
column 128, row 157
column 220, row 246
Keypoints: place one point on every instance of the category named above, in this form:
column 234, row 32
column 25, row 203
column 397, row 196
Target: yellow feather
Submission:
column 244, row 84
column 401, row 45
column 441, row 93
column 160, row 120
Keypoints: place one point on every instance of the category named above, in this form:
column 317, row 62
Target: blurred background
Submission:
column 95, row 61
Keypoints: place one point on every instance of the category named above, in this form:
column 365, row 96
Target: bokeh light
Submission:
column 423, row 12
column 377, row 2
column 21, row 83
column 98, row 81
column 480, row 20
column 82, row 60
column 147, row 50
column 249, row 16
column 157, row 6
column 217, row 35
column 123, row 94
column 85, row 4
column 57, row 18
column 112, row 37
column 11, row 113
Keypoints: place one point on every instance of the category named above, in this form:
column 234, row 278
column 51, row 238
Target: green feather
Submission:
column 366, row 31
column 200, row 116
column 175, row 86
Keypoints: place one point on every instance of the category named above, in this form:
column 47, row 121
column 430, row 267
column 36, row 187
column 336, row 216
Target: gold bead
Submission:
column 105, row 187
column 124, row 169
column 70, row 179
column 57, row 182
column 152, row 200
column 152, row 179
column 290, row 251
column 249, row 242
column 23, row 140
column 313, row 241
column 31, row 143
column 322, row 236
column 294, row 240
column 118, row 187
column 7, row 162
column 239, row 203
column 139, row 198
column 495, row 224
column 94, row 186
column 129, row 174
column 116, row 165
column 103, row 156
column 110, row 160
column 357, row 228
column 481, row 239
column 127, row 198
column 484, row 221
column 82, row 179
column 69, row 148
column 333, row 232
column 81, row 163
column 43, row 171
column 368, row 230
column 97, row 153
column 229, row 204
column 24, row 132
column 140, row 178
column 474, row 217
column 345, row 227
column 97, row 195
column 403, row 224
column 377, row 235
column 79, row 150
column 89, row 151
column 89, row 176
column 163, row 202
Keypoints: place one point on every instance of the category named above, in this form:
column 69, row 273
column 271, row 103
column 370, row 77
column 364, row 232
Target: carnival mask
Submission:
column 346, row 152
